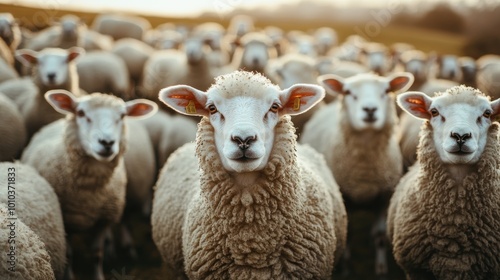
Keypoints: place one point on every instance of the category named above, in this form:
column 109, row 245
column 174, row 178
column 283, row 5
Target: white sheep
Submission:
column 7, row 72
column 447, row 67
column 443, row 219
column 66, row 33
column 487, row 78
column 121, row 26
column 173, row 67
column 31, row 260
column 325, row 38
column 52, row 68
column 35, row 203
column 103, row 71
column 245, row 201
column 469, row 69
column 12, row 130
column 357, row 136
column 376, row 57
column 82, row 158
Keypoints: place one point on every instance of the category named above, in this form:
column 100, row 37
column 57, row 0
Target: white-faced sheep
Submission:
column 134, row 53
column 12, row 130
column 245, row 201
column 82, row 158
column 444, row 217
column 121, row 26
column 35, row 203
column 29, row 259
column 51, row 69
column 325, row 38
column 357, row 136
column 66, row 33
column 103, row 71
column 376, row 57
column 447, row 67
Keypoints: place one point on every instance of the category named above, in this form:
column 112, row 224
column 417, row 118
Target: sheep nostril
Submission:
column 51, row 76
column 244, row 144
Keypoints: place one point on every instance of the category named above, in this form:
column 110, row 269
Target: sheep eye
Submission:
column 80, row 113
column 487, row 114
column 275, row 107
column 347, row 92
column 122, row 116
column 212, row 109
column 434, row 112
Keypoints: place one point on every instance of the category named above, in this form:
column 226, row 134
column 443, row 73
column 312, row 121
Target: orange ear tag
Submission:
column 191, row 108
column 296, row 104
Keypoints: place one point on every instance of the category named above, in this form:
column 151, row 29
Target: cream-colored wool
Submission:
column 444, row 230
column 12, row 131
column 364, row 164
column 289, row 225
column 36, row 204
column 32, row 259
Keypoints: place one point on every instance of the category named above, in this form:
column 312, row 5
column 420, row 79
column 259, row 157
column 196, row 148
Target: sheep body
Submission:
column 12, row 130
column 134, row 53
column 121, row 26
column 32, row 259
column 37, row 206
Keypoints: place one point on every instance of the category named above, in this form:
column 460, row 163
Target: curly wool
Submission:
column 448, row 229
column 279, row 228
column 32, row 260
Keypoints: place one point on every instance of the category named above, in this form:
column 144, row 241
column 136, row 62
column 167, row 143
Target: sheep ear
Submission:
column 75, row 52
column 27, row 57
column 495, row 105
column 141, row 108
column 63, row 101
column 185, row 100
column 399, row 82
column 415, row 103
column 332, row 83
column 299, row 98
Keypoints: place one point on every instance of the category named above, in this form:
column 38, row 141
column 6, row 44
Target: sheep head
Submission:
column 243, row 109
column 52, row 63
column 366, row 97
column 99, row 118
column 460, row 118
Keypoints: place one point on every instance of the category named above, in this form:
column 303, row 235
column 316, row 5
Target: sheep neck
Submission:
column 475, row 185
column 87, row 172
column 258, row 201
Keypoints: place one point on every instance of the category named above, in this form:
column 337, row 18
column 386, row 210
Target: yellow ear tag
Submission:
column 296, row 104
column 191, row 108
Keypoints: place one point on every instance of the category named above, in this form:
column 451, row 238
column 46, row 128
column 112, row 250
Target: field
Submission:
column 148, row 266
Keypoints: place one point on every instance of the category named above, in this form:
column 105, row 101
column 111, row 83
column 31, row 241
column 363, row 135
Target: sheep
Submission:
column 95, row 41
column 134, row 53
column 409, row 127
column 169, row 132
column 212, row 34
column 121, row 26
column 292, row 69
column 447, row 67
column 418, row 63
column 216, row 216
column 443, row 219
column 37, row 206
column 342, row 68
column 102, row 71
column 7, row 72
column 358, row 139
column 487, row 79
column 469, row 69
column 19, row 90
column 173, row 67
column 12, row 130
column 52, row 68
column 325, row 38
column 31, row 261
column 278, row 39
column 10, row 32
column 66, row 33
column 376, row 57
column 82, row 158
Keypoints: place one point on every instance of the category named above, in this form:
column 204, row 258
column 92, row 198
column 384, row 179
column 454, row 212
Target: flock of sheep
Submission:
column 279, row 136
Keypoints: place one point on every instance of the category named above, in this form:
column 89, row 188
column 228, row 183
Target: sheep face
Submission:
column 70, row 26
column 52, row 63
column 366, row 98
column 99, row 118
column 243, row 109
column 255, row 56
column 449, row 68
column 418, row 68
column 460, row 119
column 194, row 49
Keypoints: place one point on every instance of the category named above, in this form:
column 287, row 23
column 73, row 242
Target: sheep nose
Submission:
column 107, row 144
column 51, row 76
column 255, row 61
column 370, row 110
column 243, row 144
column 461, row 139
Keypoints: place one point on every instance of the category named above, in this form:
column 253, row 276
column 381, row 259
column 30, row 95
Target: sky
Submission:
column 189, row 8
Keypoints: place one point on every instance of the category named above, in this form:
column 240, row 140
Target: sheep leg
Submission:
column 99, row 234
column 68, row 271
column 379, row 235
